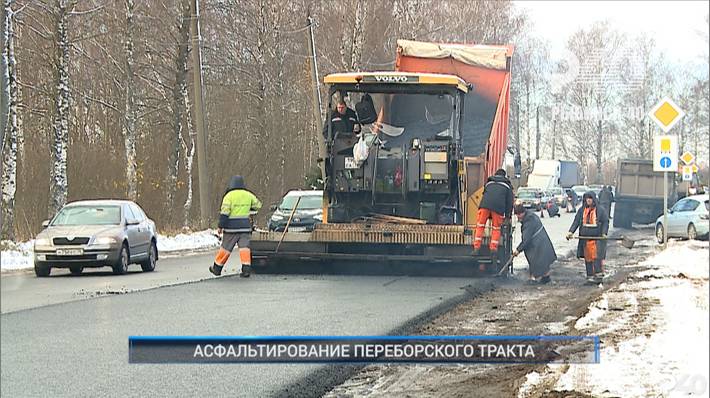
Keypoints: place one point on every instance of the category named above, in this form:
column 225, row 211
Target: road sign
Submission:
column 695, row 168
column 687, row 173
column 687, row 158
column 666, row 114
column 665, row 153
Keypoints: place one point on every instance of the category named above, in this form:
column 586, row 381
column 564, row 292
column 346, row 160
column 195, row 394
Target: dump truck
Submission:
column 639, row 193
column 401, row 196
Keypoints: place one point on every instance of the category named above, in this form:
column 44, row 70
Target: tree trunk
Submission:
column 358, row 35
column 179, row 104
column 129, row 121
column 189, row 157
column 4, row 74
column 9, row 166
column 598, row 154
column 58, row 173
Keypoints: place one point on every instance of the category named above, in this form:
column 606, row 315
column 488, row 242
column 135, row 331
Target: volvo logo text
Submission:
column 391, row 79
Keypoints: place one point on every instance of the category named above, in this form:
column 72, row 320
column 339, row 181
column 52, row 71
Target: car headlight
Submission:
column 318, row 217
column 277, row 217
column 43, row 242
column 104, row 240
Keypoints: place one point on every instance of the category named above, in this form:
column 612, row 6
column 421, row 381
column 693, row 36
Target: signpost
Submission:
column 665, row 148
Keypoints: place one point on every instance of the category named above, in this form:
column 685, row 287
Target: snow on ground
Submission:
column 192, row 241
column 653, row 330
column 18, row 256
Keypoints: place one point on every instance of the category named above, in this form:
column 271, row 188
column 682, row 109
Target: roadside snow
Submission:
column 18, row 256
column 193, row 241
column 655, row 342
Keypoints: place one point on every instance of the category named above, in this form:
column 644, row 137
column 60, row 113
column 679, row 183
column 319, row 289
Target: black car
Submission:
column 308, row 213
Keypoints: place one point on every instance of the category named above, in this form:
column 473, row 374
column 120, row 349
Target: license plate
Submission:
column 296, row 229
column 70, row 252
column 350, row 163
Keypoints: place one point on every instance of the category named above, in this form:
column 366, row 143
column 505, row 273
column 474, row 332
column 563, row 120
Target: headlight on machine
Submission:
column 104, row 240
column 43, row 242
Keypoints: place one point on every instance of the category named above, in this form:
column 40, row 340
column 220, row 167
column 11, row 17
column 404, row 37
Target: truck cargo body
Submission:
column 639, row 193
column 569, row 173
column 545, row 174
column 401, row 197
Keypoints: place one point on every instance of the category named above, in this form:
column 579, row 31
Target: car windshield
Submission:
column 307, row 202
column 88, row 215
column 526, row 194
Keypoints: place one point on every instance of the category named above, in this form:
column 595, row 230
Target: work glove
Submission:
column 515, row 253
column 603, row 236
column 569, row 235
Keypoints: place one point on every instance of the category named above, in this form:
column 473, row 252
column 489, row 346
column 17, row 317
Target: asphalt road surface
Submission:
column 68, row 336
column 22, row 290
column 55, row 344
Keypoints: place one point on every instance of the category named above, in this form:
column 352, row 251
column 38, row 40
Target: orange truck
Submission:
column 402, row 189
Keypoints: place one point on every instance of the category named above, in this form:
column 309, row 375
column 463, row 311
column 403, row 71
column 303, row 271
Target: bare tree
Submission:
column 9, row 155
column 58, row 173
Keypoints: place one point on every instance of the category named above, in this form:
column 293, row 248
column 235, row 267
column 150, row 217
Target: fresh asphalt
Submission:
column 59, row 339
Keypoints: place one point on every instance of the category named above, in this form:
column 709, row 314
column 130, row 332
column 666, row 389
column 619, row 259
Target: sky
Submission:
column 678, row 27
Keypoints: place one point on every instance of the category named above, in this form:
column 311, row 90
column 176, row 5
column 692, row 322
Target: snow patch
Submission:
column 668, row 356
column 192, row 241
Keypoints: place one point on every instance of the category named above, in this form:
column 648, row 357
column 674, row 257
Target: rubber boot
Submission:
column 216, row 269
column 246, row 271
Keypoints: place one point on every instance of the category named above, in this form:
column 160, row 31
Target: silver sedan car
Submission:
column 688, row 218
column 96, row 233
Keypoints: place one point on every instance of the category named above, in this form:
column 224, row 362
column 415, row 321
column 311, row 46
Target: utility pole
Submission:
column 554, row 138
column 537, row 132
column 202, row 171
column 317, row 101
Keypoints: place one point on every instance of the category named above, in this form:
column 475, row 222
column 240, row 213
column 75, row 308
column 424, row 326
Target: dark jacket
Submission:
column 237, row 204
column 605, row 198
column 536, row 245
column 573, row 195
column 498, row 195
column 341, row 123
column 586, row 229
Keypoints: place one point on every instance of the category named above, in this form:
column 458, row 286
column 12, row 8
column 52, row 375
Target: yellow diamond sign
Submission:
column 687, row 158
column 695, row 168
column 666, row 114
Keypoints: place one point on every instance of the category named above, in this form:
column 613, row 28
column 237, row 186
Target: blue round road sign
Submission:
column 665, row 162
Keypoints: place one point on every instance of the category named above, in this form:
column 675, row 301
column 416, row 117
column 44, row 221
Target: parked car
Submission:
column 580, row 190
column 96, row 233
column 596, row 188
column 308, row 213
column 530, row 198
column 559, row 196
column 688, row 218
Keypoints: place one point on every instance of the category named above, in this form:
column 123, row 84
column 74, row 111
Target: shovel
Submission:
column 625, row 241
column 505, row 266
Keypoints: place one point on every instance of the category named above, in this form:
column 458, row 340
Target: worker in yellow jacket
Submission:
column 235, row 225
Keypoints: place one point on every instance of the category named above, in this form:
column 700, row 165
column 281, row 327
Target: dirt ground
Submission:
column 513, row 308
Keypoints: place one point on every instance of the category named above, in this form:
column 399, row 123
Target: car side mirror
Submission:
column 45, row 223
column 132, row 222
column 273, row 207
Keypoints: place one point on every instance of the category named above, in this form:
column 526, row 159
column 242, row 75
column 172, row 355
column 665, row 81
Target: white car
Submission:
column 688, row 218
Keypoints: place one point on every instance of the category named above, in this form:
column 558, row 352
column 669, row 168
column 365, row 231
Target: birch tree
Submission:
column 60, row 135
column 130, row 117
column 9, row 155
